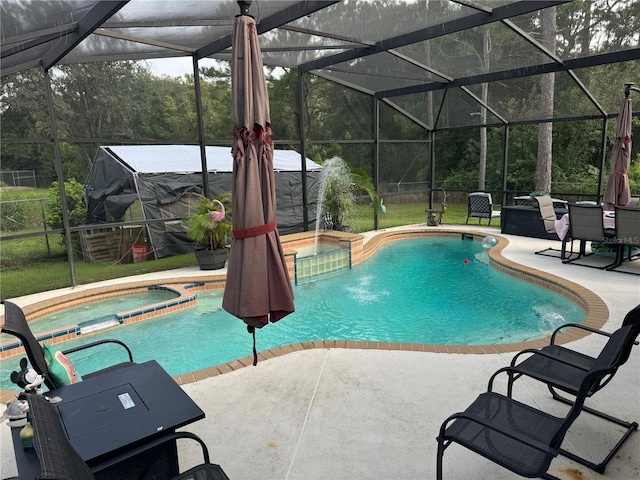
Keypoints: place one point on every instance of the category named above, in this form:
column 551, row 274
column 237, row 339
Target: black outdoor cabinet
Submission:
column 526, row 221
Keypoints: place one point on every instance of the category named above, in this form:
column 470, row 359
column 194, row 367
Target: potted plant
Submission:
column 209, row 228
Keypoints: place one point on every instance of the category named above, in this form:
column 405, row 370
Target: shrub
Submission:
column 76, row 208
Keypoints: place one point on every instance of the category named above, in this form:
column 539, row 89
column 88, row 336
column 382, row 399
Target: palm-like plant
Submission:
column 342, row 185
column 210, row 224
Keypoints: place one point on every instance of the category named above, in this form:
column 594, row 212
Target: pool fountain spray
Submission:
column 336, row 195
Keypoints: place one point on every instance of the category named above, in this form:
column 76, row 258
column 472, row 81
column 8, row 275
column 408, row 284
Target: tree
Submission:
column 23, row 106
column 482, row 168
column 545, row 129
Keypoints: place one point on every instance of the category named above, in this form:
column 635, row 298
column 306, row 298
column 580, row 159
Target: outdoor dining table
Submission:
column 107, row 416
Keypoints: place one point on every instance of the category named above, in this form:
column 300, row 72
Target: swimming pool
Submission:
column 416, row 291
column 95, row 311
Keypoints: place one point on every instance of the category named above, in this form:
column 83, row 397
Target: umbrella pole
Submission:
column 252, row 331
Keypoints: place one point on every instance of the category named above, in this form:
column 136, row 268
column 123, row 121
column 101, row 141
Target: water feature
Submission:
column 326, row 260
column 335, row 195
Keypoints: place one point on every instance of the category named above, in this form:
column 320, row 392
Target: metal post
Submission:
column 603, row 159
column 303, row 152
column 376, row 157
column 432, row 172
column 60, row 175
column 201, row 141
column 505, row 165
column 44, row 224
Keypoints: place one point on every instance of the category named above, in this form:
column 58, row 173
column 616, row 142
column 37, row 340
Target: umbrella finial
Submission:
column 244, row 7
column 628, row 87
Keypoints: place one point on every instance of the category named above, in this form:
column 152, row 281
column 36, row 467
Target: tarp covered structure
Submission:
column 160, row 178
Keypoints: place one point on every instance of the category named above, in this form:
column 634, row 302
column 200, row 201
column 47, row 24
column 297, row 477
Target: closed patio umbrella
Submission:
column 617, row 191
column 258, row 289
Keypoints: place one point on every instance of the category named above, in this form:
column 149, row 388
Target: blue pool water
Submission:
column 94, row 312
column 415, row 291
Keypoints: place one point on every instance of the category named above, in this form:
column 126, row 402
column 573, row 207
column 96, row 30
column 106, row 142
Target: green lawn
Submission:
column 31, row 266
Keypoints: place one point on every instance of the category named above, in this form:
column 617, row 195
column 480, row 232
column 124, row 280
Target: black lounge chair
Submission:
column 517, row 436
column 15, row 323
column 563, row 369
column 60, row 461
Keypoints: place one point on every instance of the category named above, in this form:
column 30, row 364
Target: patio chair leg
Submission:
column 597, row 467
column 619, row 259
column 571, row 253
column 439, row 455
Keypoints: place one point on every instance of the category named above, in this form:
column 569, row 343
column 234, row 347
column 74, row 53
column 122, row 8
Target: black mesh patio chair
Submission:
column 515, row 435
column 586, row 225
column 548, row 216
column 15, row 323
column 627, row 236
column 60, row 461
column 563, row 369
column 480, row 205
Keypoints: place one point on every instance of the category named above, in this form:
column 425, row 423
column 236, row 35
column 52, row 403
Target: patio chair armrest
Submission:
column 169, row 437
column 578, row 326
column 100, row 342
column 540, row 353
column 513, row 372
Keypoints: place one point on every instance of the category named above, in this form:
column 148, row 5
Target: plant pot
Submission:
column 211, row 259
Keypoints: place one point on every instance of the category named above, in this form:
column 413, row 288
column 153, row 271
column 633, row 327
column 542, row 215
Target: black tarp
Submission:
column 153, row 182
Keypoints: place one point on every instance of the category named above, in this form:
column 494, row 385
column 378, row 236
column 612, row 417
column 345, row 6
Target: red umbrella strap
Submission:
column 241, row 233
column 621, row 172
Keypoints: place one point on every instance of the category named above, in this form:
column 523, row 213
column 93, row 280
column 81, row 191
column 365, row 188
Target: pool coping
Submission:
column 595, row 308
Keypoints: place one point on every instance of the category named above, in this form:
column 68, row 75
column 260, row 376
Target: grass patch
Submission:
column 55, row 273
column 411, row 214
column 31, row 266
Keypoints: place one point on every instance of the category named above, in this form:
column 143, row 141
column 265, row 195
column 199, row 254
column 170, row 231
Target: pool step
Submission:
column 482, row 257
column 94, row 327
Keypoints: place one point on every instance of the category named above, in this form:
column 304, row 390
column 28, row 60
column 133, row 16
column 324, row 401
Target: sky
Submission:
column 175, row 67
column 179, row 66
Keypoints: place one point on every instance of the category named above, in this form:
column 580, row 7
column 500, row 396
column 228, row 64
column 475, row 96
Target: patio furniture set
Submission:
column 524, row 438
column 613, row 233
column 119, row 422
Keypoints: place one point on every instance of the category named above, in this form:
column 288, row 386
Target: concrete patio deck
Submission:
column 360, row 414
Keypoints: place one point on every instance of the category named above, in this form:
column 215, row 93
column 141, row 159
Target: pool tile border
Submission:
column 184, row 299
column 595, row 308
